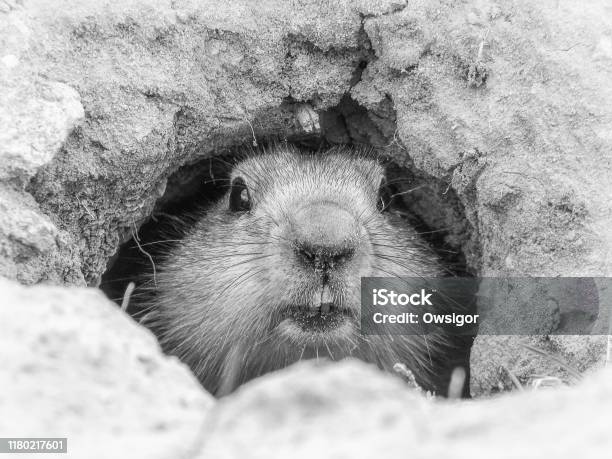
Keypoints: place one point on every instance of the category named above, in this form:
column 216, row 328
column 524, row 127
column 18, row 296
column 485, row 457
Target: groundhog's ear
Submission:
column 240, row 198
column 384, row 195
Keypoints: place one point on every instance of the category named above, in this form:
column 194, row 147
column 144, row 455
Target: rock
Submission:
column 525, row 150
column 163, row 84
column 400, row 40
column 504, row 106
column 32, row 248
column 501, row 363
column 74, row 365
column 569, row 323
column 351, row 410
column 36, row 118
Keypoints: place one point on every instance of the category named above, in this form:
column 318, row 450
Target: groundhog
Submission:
column 270, row 274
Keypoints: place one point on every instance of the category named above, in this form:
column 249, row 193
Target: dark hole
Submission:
column 188, row 193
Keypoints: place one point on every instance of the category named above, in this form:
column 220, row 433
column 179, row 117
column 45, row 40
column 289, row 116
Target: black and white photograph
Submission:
column 276, row 229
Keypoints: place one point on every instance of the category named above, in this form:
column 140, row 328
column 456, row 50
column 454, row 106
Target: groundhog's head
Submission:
column 315, row 224
column 272, row 272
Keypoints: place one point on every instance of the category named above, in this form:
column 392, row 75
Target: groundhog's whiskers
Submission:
column 440, row 230
column 402, row 262
column 221, row 257
column 401, row 193
column 237, row 281
column 165, row 241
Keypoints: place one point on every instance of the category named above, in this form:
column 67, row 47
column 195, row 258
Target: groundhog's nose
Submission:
column 324, row 235
column 323, row 258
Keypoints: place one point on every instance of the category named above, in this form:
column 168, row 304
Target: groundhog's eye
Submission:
column 384, row 196
column 240, row 198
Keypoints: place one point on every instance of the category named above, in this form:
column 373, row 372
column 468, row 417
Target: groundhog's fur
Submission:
column 226, row 297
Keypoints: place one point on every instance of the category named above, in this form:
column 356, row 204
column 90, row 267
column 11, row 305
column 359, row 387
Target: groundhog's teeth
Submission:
column 325, row 308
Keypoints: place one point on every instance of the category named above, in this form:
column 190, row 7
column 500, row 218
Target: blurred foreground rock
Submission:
column 350, row 410
column 75, row 366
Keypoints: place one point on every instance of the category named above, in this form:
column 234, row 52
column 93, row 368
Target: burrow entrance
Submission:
column 427, row 203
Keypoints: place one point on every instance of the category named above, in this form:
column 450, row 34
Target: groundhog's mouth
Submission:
column 320, row 320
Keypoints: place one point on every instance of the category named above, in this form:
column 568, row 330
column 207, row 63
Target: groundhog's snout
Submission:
column 323, row 258
column 325, row 235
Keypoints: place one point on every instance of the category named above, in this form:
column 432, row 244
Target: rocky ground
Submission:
column 502, row 108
